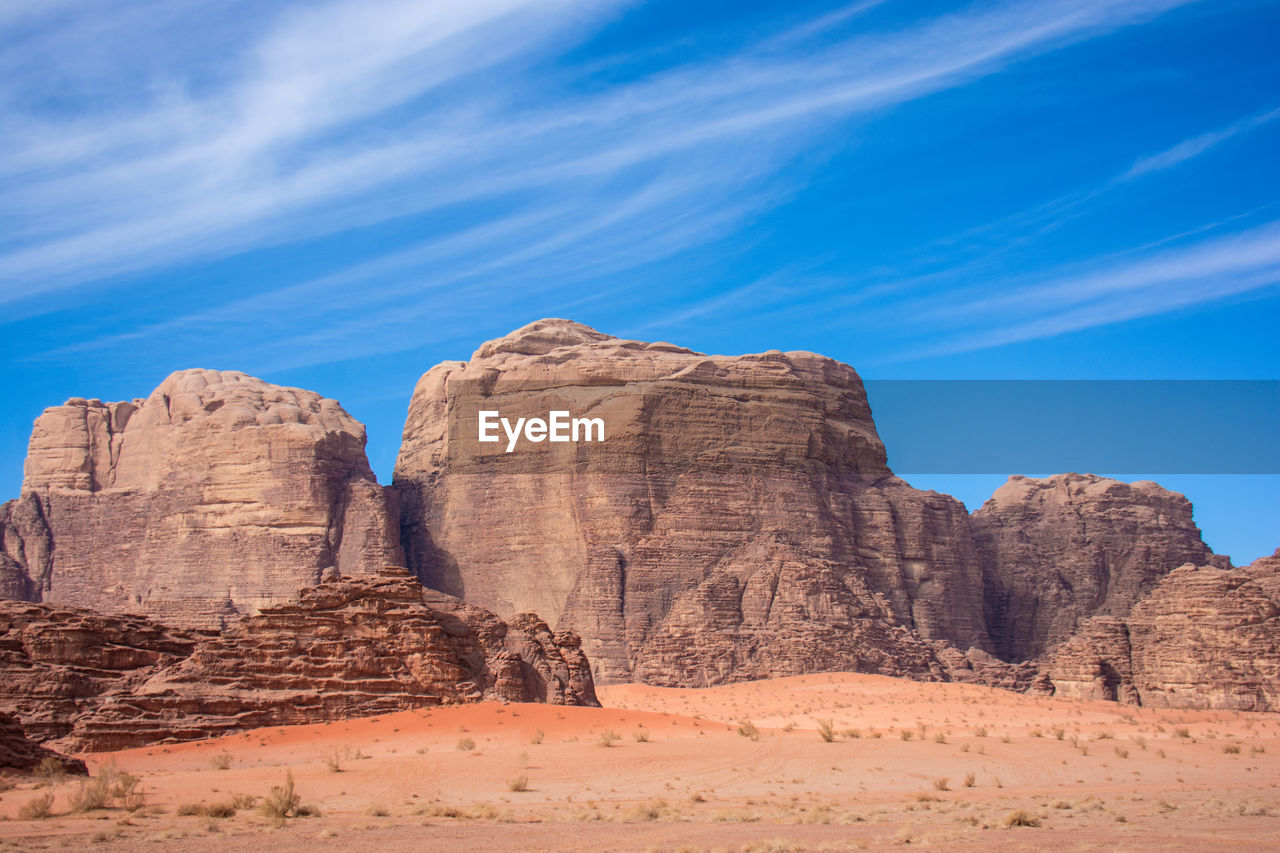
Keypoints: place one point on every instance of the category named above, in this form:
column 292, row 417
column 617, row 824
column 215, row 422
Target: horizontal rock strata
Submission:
column 738, row 521
column 1205, row 637
column 345, row 648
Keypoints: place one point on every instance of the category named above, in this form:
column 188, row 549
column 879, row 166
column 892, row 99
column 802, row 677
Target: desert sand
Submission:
column 740, row 767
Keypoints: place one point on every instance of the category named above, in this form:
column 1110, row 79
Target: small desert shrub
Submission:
column 333, row 763
column 37, row 808
column 970, row 780
column 1257, row 750
column 906, row 734
column 282, row 801
column 1059, row 733
column 190, row 809
column 608, row 738
column 243, row 801
column 92, row 794
column 1183, row 733
column 941, row 785
column 51, row 770
column 940, row 737
column 640, row 736
column 652, row 811
column 852, row 734
column 826, row 730
column 466, row 744
column 1231, row 748
column 1021, row 818
column 518, row 784
column 926, row 797
column 1122, row 752
column 980, row 732
column 219, row 810
column 748, row 730
column 221, row 761
column 538, row 735
column 1037, row 733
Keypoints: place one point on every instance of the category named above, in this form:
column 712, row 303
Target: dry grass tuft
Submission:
column 1021, row 818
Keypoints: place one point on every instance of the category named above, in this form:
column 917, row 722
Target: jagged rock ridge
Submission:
column 345, row 648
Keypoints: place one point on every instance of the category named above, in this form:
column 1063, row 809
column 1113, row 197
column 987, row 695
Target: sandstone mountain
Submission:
column 740, row 519
column 1058, row 550
column 344, row 648
column 1204, row 638
column 215, row 496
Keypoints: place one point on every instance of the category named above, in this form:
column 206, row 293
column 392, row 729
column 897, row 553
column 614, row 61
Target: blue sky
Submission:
column 338, row 195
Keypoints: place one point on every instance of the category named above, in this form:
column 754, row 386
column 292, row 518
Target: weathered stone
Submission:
column 1059, row 550
column 18, row 752
column 738, row 521
column 1205, row 637
column 217, row 495
column 345, row 648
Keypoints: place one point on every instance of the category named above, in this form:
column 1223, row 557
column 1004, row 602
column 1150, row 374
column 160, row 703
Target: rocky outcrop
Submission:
column 344, row 648
column 217, row 495
column 18, row 752
column 56, row 662
column 1205, row 637
column 1057, row 551
column 739, row 519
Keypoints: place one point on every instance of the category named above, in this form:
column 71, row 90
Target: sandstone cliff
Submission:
column 1205, row 637
column 344, row 648
column 215, row 496
column 738, row 521
column 1056, row 551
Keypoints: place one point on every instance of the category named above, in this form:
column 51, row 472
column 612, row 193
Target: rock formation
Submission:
column 18, row 752
column 55, row 662
column 1205, row 637
column 345, row 648
column 1059, row 550
column 739, row 519
column 215, row 496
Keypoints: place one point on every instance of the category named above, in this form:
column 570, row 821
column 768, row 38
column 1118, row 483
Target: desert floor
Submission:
column 942, row 765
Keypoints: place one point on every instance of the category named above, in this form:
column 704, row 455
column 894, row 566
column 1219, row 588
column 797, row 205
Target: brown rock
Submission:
column 1059, row 550
column 217, row 495
column 344, row 648
column 738, row 521
column 1205, row 637
column 18, row 752
column 55, row 661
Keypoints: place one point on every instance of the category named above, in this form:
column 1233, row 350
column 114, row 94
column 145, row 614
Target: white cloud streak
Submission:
column 343, row 115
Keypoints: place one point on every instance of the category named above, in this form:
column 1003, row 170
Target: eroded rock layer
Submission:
column 1205, row 637
column 345, row 648
column 739, row 520
column 19, row 752
column 215, row 496
column 1059, row 550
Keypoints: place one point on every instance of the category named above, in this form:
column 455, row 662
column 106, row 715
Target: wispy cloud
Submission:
column 350, row 113
column 1099, row 294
